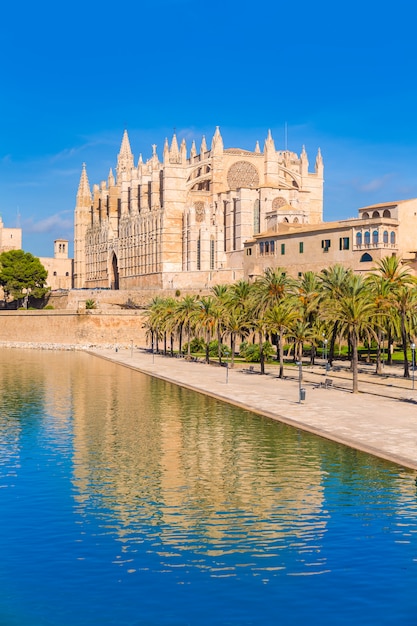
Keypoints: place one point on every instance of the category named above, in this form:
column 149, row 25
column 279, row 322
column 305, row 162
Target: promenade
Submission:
column 380, row 420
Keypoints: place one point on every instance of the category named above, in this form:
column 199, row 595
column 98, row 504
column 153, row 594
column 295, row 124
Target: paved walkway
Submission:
column 381, row 419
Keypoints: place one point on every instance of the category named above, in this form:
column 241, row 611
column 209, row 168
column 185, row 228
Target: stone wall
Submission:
column 72, row 328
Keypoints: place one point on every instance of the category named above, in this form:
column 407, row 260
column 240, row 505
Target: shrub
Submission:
column 196, row 345
column 214, row 348
column 250, row 351
column 90, row 304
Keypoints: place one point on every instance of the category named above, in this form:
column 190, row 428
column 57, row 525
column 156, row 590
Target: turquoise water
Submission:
column 127, row 501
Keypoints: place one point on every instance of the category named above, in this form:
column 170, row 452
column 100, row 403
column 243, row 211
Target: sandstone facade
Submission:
column 183, row 222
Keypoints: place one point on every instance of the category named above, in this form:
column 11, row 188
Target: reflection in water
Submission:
column 196, row 474
column 115, row 485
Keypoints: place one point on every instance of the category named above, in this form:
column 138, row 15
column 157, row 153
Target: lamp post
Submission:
column 413, row 351
column 131, row 348
column 325, row 352
column 301, row 391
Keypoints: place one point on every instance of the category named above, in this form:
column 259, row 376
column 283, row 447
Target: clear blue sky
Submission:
column 74, row 75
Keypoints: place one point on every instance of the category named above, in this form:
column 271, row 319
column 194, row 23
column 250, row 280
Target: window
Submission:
column 261, row 248
column 375, row 214
column 300, row 274
column 266, row 247
column 199, row 253
column 385, row 236
column 365, row 215
column 301, row 247
column 358, row 239
column 54, row 273
column 66, row 273
column 386, row 213
column 283, row 248
column 248, row 251
column 212, row 253
column 257, row 218
column 325, row 244
column 365, row 257
column 344, row 243
column 272, row 247
column 392, row 238
column 367, row 238
column 375, row 237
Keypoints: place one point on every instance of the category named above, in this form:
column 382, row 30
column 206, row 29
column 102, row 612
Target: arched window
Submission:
column 386, row 213
column 392, row 238
column 375, row 214
column 295, row 220
column 367, row 238
column 385, row 236
column 199, row 252
column 285, row 220
column 256, row 217
column 212, row 253
column 365, row 258
column 375, row 237
column 358, row 239
column 365, row 215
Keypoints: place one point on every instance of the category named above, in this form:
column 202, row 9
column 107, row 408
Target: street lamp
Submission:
column 301, row 391
column 325, row 352
column 413, row 351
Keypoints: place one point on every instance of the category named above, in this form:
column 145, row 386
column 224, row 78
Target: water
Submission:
column 127, row 501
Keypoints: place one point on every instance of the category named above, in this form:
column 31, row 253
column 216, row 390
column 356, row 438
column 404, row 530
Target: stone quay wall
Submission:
column 72, row 329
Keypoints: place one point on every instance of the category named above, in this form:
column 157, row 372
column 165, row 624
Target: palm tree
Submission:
column 355, row 313
column 308, row 296
column 397, row 284
column 334, row 281
column 279, row 319
column 206, row 320
column 186, row 312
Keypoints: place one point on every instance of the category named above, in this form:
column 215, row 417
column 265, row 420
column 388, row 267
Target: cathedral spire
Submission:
column 217, row 142
column 110, row 179
column 257, row 148
column 319, row 163
column 304, row 162
column 174, row 153
column 125, row 157
column 269, row 143
column 183, row 151
column 84, row 197
column 203, row 147
column 193, row 150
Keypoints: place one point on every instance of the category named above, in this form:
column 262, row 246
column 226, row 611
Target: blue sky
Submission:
column 73, row 76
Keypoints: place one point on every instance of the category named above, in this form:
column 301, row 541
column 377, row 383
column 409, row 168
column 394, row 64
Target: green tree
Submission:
column 22, row 276
column 355, row 312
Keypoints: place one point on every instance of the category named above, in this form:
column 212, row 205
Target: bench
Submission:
column 328, row 383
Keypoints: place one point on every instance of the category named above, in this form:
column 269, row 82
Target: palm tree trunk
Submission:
column 378, row 369
column 232, row 348
column 404, row 342
column 281, row 356
column 261, row 354
column 189, row 339
column 330, row 356
column 354, row 362
column 389, row 348
column 208, row 347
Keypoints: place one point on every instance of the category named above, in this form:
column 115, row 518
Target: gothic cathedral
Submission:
column 182, row 222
